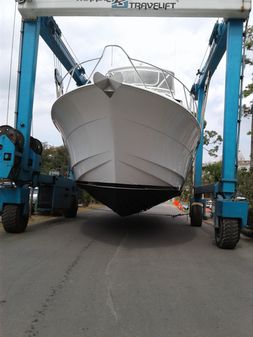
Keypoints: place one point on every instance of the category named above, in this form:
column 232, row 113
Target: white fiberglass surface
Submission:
column 134, row 137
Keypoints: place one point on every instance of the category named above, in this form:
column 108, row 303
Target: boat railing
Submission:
column 181, row 93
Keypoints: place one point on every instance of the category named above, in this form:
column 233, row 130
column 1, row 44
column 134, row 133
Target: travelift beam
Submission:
column 175, row 8
column 28, row 63
column 232, row 87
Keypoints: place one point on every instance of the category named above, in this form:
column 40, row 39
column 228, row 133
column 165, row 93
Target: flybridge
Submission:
column 31, row 9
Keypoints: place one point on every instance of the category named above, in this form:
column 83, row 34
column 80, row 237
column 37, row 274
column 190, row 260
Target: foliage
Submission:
column 247, row 111
column 249, row 43
column 85, row 198
column 245, row 179
column 248, row 90
column 212, row 172
column 245, row 184
column 54, row 158
column 188, row 187
column 212, row 140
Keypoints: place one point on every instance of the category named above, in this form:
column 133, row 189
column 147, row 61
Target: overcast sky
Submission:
column 172, row 43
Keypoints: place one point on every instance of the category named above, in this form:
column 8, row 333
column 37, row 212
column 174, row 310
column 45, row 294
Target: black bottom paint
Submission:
column 129, row 199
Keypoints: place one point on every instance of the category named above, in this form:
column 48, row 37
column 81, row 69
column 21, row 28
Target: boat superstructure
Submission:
column 130, row 136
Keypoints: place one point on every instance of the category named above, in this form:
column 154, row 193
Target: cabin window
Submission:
column 166, row 81
column 156, row 79
column 150, row 77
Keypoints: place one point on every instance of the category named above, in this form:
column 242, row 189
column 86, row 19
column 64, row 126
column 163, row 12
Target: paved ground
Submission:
column 144, row 276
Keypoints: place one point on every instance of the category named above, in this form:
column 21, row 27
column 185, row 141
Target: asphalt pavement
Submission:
column 148, row 275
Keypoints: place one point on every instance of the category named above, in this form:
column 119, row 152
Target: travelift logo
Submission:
column 119, row 3
column 130, row 4
column 156, row 6
column 143, row 5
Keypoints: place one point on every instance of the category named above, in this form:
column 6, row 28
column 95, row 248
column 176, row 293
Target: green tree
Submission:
column 248, row 110
column 212, row 172
column 212, row 141
column 54, row 158
column 245, row 184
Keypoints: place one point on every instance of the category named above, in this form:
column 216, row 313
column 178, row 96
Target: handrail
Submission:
column 190, row 105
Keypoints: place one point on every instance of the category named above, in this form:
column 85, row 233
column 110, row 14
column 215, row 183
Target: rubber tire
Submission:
column 196, row 215
column 13, row 219
column 227, row 235
column 72, row 211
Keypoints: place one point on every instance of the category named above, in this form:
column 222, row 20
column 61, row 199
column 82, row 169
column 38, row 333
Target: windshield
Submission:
column 148, row 77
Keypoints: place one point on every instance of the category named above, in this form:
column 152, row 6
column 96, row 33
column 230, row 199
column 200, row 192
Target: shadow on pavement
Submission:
column 142, row 231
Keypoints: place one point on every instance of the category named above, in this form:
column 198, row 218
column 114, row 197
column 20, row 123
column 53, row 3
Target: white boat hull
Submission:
column 136, row 138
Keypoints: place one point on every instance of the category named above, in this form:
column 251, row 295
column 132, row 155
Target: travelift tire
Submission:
column 196, row 214
column 13, row 219
column 227, row 234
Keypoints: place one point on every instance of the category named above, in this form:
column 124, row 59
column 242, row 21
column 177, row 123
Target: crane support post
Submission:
column 230, row 213
column 217, row 44
column 199, row 153
column 28, row 63
column 51, row 34
column 171, row 8
column 231, row 110
column 225, row 36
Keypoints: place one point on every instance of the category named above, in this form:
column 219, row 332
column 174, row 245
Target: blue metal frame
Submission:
column 15, row 196
column 226, row 208
column 7, row 157
column 17, row 191
column 28, row 64
column 226, row 36
column 232, row 87
column 199, row 154
column 29, row 50
column 217, row 44
column 51, row 34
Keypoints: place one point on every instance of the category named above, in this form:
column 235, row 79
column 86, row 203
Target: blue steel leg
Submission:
column 226, row 207
column 232, row 87
column 199, row 154
column 28, row 63
column 197, row 205
column 28, row 60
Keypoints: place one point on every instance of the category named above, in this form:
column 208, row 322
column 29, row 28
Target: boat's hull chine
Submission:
column 129, row 199
column 131, row 150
